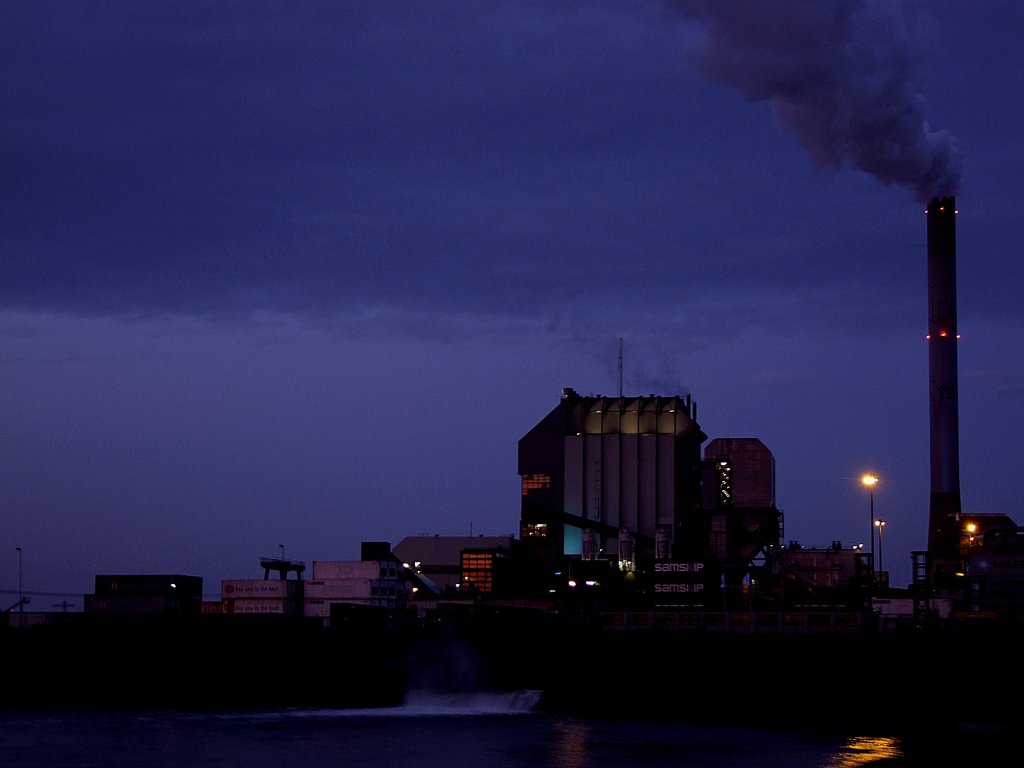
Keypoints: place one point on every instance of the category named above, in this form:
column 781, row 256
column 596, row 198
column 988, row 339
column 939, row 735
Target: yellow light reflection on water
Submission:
column 572, row 746
column 862, row 750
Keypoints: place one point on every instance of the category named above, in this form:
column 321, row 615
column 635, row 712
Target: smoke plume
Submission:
column 845, row 75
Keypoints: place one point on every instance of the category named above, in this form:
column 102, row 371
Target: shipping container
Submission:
column 346, row 569
column 258, row 605
column 340, row 589
column 128, row 604
column 321, row 608
column 242, row 588
column 316, row 608
column 148, row 584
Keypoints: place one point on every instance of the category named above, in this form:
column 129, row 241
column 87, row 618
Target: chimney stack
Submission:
column 944, row 511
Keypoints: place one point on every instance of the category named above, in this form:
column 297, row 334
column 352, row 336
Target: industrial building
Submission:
column 612, row 476
column 616, row 492
column 379, row 579
column 439, row 559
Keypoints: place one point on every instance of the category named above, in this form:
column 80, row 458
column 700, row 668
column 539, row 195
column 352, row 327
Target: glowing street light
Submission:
column 971, row 529
column 869, row 481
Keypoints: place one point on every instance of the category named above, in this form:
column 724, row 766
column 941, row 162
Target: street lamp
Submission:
column 880, row 524
column 869, row 481
column 21, row 594
column 971, row 529
column 282, row 550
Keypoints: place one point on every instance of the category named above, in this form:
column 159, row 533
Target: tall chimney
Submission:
column 944, row 512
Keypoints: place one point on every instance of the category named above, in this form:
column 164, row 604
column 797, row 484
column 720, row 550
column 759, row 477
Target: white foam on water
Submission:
column 476, row 702
column 435, row 704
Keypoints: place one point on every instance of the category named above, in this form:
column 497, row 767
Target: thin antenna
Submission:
column 620, row 366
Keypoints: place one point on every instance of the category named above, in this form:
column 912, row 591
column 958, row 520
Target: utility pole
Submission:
column 21, row 592
column 620, row 366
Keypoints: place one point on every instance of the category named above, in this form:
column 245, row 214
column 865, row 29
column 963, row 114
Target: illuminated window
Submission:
column 478, row 572
column 724, row 484
column 535, row 482
column 534, row 531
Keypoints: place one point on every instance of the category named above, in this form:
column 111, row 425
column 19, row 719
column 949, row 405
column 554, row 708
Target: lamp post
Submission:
column 971, row 529
column 21, row 593
column 880, row 524
column 282, row 551
column 869, row 481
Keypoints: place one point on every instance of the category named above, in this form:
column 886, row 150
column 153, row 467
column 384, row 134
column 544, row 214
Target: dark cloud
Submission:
column 485, row 158
column 204, row 156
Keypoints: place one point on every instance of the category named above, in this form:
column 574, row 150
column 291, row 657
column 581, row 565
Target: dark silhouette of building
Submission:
column 818, row 577
column 994, row 553
column 739, row 490
column 615, row 493
column 146, row 593
column 612, row 478
column 439, row 558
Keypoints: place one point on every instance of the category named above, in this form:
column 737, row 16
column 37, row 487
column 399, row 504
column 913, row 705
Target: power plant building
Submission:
column 751, row 473
column 739, row 493
column 613, row 476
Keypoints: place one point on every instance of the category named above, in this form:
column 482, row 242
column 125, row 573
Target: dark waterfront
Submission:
column 890, row 681
column 442, row 731
column 270, row 693
column 486, row 730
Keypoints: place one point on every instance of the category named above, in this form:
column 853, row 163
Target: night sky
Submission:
column 303, row 274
